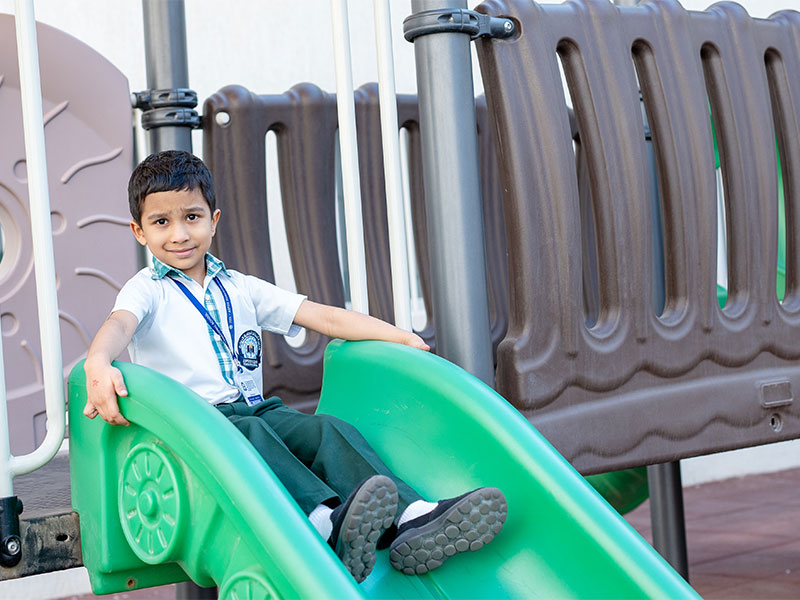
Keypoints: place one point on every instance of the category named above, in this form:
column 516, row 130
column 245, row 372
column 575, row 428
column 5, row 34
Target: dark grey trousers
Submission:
column 318, row 458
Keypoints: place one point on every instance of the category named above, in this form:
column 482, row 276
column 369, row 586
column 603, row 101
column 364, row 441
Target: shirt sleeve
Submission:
column 137, row 296
column 275, row 307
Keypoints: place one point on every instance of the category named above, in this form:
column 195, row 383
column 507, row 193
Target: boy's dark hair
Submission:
column 171, row 170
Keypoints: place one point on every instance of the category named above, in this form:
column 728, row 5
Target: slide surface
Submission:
column 180, row 492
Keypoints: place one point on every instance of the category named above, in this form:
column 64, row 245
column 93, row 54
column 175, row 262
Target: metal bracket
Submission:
column 10, row 541
column 167, row 108
column 150, row 99
column 456, row 20
column 170, row 117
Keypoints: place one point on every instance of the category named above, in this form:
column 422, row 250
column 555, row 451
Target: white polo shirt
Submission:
column 172, row 336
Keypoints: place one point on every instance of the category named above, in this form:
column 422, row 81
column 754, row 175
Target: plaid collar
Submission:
column 214, row 267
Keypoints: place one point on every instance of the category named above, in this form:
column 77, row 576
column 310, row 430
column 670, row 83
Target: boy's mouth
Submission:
column 183, row 253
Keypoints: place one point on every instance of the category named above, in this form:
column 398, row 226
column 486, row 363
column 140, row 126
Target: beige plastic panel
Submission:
column 87, row 111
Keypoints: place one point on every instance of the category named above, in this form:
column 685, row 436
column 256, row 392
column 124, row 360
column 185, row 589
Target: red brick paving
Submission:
column 164, row 592
column 743, row 536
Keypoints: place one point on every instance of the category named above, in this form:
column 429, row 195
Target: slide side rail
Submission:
column 180, row 494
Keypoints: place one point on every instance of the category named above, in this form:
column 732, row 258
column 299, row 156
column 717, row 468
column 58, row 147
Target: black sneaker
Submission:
column 468, row 522
column 360, row 521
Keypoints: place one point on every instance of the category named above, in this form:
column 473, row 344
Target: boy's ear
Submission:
column 138, row 233
column 214, row 219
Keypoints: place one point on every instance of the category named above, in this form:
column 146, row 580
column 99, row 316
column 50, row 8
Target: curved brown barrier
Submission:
column 637, row 387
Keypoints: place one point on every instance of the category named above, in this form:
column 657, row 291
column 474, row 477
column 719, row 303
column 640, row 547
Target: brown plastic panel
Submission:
column 638, row 388
column 88, row 133
column 305, row 122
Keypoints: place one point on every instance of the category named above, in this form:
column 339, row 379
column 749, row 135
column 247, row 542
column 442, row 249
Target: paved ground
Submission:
column 743, row 536
column 46, row 490
column 743, row 539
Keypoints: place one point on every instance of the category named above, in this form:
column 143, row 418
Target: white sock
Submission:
column 416, row 509
column 320, row 518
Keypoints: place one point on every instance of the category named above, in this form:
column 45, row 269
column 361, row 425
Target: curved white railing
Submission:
column 43, row 260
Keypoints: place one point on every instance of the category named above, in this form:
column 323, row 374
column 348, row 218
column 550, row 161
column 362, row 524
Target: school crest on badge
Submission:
column 249, row 348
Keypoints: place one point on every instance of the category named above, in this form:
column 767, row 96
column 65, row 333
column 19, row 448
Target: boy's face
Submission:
column 177, row 227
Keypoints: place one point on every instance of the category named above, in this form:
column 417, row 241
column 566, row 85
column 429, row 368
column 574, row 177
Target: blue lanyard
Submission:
column 209, row 319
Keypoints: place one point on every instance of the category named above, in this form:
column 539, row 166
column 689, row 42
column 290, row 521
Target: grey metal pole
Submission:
column 167, row 67
column 452, row 196
column 666, row 515
column 166, row 64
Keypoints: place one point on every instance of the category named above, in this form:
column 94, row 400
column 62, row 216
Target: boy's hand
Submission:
column 415, row 341
column 103, row 381
column 103, row 384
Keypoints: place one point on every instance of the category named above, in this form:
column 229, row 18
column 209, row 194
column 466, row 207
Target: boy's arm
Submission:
column 103, row 381
column 350, row 325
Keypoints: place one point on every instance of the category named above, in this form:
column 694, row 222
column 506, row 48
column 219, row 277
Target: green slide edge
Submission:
column 239, row 517
column 780, row 283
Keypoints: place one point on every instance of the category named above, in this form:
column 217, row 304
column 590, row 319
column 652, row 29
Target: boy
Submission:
column 196, row 321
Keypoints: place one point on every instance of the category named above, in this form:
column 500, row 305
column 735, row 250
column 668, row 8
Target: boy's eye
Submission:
column 192, row 217
column 161, row 221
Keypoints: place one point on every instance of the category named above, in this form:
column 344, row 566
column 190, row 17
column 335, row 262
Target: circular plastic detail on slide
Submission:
column 247, row 586
column 150, row 503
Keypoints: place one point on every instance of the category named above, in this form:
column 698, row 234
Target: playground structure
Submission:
column 594, row 380
column 236, row 155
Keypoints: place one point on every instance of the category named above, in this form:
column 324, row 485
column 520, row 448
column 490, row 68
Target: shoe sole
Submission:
column 372, row 510
column 470, row 524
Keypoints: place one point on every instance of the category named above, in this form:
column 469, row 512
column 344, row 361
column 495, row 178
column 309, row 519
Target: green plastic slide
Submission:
column 624, row 490
column 780, row 281
column 180, row 492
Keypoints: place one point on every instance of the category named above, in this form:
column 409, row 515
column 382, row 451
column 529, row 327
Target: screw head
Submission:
column 12, row 546
column 508, row 25
column 222, row 118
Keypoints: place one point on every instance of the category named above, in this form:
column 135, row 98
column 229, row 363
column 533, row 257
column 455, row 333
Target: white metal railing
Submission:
column 391, row 165
column 391, row 156
column 345, row 106
column 43, row 260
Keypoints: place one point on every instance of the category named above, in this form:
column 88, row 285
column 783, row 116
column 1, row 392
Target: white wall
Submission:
column 264, row 46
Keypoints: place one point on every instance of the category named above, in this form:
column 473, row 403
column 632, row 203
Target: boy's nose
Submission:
column 179, row 233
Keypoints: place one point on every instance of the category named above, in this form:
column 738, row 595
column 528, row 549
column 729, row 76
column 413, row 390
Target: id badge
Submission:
column 247, row 386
